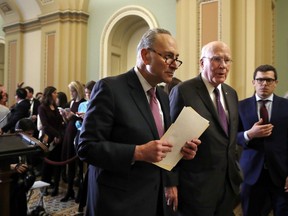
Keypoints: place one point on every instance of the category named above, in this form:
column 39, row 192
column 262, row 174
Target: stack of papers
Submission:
column 188, row 125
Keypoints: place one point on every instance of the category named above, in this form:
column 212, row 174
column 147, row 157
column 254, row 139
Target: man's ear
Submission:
column 201, row 63
column 145, row 54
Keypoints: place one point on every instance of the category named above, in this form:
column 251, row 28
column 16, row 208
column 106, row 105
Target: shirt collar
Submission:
column 270, row 98
column 208, row 85
column 146, row 86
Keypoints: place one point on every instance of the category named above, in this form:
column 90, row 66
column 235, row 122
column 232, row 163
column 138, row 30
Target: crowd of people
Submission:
column 55, row 121
column 117, row 132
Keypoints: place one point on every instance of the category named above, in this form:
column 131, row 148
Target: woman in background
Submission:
column 82, row 192
column 53, row 127
column 62, row 100
column 68, row 151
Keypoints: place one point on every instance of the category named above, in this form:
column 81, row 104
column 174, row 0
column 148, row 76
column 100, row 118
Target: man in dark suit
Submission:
column 209, row 184
column 264, row 158
column 19, row 111
column 120, row 139
column 33, row 107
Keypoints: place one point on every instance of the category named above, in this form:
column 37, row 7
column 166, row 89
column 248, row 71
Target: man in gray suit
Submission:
column 209, row 184
column 120, row 139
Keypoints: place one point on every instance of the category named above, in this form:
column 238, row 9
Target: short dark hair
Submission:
column 25, row 124
column 30, row 89
column 265, row 68
column 62, row 98
column 89, row 85
column 21, row 93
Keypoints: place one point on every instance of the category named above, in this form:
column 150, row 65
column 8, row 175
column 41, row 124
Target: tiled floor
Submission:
column 53, row 206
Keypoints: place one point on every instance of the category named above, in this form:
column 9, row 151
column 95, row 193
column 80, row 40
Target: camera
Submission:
column 27, row 179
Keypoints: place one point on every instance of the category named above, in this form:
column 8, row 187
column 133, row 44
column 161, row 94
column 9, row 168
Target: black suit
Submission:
column 117, row 119
column 203, row 180
column 35, row 103
column 19, row 111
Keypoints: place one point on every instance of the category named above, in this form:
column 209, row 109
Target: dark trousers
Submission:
column 260, row 198
column 224, row 205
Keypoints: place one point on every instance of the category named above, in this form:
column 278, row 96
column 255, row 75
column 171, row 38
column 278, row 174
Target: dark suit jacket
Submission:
column 36, row 104
column 19, row 111
column 118, row 118
column 273, row 148
column 203, row 177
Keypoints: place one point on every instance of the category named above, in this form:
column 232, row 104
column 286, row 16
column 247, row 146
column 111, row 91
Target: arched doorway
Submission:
column 120, row 38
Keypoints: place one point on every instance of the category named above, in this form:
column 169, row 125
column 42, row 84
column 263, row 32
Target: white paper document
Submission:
column 188, row 125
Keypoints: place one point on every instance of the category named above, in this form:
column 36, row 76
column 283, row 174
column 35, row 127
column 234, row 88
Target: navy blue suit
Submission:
column 118, row 118
column 272, row 150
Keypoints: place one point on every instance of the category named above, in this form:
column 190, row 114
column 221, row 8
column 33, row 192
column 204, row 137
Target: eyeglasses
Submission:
column 219, row 60
column 168, row 58
column 261, row 81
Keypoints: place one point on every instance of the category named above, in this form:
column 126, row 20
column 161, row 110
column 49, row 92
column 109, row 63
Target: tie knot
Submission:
column 151, row 92
column 264, row 101
column 216, row 92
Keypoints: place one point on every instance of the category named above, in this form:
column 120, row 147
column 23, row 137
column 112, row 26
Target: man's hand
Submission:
column 190, row 148
column 171, row 195
column 20, row 168
column 153, row 151
column 1, row 132
column 260, row 130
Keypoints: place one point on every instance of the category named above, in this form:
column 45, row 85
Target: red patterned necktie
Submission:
column 221, row 112
column 155, row 111
column 263, row 112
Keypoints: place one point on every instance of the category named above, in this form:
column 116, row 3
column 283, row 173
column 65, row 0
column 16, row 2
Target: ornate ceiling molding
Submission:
column 60, row 16
column 5, row 8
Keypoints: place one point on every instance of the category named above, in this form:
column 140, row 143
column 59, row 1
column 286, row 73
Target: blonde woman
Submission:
column 69, row 115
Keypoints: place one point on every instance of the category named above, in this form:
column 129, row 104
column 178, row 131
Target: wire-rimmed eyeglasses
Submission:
column 219, row 60
column 169, row 59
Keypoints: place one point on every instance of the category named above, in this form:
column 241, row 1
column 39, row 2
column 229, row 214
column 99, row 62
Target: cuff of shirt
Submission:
column 246, row 137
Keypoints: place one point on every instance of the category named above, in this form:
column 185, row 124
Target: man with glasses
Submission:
column 209, row 184
column 121, row 131
column 263, row 134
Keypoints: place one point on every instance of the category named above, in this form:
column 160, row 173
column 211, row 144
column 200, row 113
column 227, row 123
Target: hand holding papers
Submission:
column 188, row 125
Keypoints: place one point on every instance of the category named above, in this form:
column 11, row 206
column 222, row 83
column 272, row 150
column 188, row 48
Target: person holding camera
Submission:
column 23, row 177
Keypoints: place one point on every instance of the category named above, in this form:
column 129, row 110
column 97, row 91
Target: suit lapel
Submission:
column 205, row 97
column 231, row 107
column 275, row 107
column 165, row 107
column 139, row 97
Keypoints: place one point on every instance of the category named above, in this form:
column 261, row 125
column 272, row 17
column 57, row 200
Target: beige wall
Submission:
column 52, row 48
column 245, row 25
